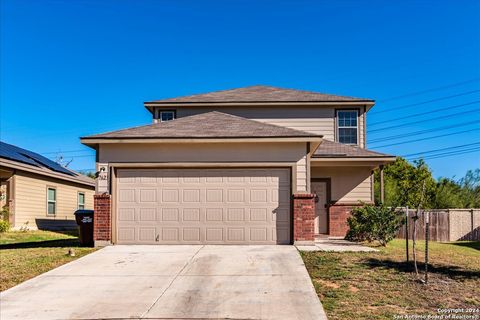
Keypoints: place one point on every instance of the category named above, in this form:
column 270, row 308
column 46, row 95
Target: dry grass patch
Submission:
column 379, row 285
column 24, row 255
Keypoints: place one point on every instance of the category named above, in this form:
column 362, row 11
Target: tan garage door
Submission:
column 195, row 206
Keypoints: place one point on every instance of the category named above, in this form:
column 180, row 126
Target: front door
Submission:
column 321, row 219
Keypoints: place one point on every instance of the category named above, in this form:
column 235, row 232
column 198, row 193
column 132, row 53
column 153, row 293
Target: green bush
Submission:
column 370, row 223
column 4, row 226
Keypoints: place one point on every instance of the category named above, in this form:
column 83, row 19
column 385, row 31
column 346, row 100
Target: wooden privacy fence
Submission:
column 445, row 225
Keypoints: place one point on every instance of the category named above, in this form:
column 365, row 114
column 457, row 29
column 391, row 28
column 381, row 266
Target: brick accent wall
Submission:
column 303, row 217
column 102, row 218
column 338, row 215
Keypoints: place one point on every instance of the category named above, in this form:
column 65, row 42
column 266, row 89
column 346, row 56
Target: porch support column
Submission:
column 382, row 186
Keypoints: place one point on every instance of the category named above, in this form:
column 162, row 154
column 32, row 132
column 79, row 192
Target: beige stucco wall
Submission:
column 30, row 200
column 211, row 153
column 348, row 184
column 463, row 223
column 318, row 120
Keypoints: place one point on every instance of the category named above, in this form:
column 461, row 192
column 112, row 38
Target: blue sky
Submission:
column 72, row 68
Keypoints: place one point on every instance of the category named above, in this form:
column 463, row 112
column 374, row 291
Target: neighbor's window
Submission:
column 347, row 124
column 51, row 200
column 167, row 115
column 81, row 200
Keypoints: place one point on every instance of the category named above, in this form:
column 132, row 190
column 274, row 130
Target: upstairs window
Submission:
column 347, row 126
column 51, row 201
column 166, row 115
column 81, row 200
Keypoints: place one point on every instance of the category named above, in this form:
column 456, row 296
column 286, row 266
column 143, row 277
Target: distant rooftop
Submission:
column 260, row 93
column 39, row 162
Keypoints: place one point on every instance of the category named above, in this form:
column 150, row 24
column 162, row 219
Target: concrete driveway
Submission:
column 170, row 282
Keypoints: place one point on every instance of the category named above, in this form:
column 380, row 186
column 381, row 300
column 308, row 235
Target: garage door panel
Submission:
column 170, row 234
column 148, row 195
column 215, row 235
column 147, row 234
column 170, row 195
column 126, row 234
column 191, row 195
column 258, row 234
column 126, row 195
column 147, row 214
column 170, row 214
column 191, row 234
column 191, row 214
column 214, row 215
column 231, row 206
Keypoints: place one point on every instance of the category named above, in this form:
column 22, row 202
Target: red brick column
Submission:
column 338, row 215
column 102, row 219
column 303, row 218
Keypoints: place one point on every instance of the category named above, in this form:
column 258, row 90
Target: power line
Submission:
column 427, row 138
column 421, row 121
column 68, row 151
column 415, row 133
column 443, row 149
column 374, row 111
column 429, row 90
column 79, row 156
column 448, row 154
column 428, row 112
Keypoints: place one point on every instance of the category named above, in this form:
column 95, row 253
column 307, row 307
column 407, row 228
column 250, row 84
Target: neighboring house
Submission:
column 39, row 193
column 254, row 165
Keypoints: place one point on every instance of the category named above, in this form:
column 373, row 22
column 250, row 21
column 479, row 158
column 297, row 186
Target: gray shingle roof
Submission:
column 205, row 125
column 260, row 94
column 330, row 149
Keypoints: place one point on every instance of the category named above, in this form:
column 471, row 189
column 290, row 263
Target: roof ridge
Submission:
column 202, row 93
column 228, row 95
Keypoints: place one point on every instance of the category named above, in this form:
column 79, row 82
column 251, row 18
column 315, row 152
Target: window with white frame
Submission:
column 347, row 126
column 51, row 201
column 166, row 115
column 81, row 200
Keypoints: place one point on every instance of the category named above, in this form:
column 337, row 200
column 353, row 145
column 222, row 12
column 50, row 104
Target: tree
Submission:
column 404, row 184
column 90, row 174
column 471, row 188
column 448, row 194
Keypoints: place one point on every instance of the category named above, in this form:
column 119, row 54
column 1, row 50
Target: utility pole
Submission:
column 427, row 234
column 406, row 233
column 382, row 186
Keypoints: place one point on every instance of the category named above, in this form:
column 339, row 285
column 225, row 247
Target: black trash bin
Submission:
column 84, row 220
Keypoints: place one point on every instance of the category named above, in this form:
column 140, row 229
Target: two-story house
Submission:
column 254, row 165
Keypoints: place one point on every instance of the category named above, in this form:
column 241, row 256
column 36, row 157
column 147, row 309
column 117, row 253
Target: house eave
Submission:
column 152, row 104
column 351, row 161
column 28, row 168
column 92, row 142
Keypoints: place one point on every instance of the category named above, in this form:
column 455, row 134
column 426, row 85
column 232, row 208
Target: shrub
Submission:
column 370, row 223
column 4, row 216
column 4, row 226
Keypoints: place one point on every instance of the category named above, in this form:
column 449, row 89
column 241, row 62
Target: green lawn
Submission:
column 380, row 285
column 24, row 255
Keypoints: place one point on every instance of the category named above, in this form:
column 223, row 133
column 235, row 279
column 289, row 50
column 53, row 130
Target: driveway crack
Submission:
column 171, row 282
